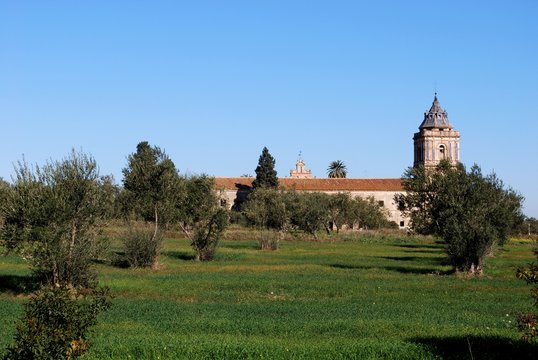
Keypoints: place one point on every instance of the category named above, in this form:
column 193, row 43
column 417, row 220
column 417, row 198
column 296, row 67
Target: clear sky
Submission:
column 212, row 82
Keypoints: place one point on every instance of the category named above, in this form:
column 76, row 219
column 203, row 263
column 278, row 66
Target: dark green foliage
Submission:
column 4, row 194
column 471, row 212
column 368, row 214
column 337, row 169
column 150, row 181
column 528, row 227
column 266, row 209
column 528, row 322
column 56, row 324
column 200, row 200
column 152, row 190
column 139, row 250
column 207, row 234
column 266, row 176
column 202, row 220
column 341, row 210
column 52, row 217
column 112, row 208
column 309, row 211
column 356, row 212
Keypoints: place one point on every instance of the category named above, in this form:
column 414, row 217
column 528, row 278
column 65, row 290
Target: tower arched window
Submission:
column 442, row 152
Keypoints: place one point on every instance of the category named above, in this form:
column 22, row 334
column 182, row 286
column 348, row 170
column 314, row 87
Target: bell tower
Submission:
column 300, row 171
column 436, row 139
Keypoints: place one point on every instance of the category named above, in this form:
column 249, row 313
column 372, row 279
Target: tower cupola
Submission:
column 436, row 118
column 300, row 171
column 436, row 140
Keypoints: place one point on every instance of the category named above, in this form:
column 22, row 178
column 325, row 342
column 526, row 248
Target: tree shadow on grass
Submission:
column 351, row 267
column 418, row 270
column 244, row 245
column 402, row 258
column 435, row 259
column 436, row 246
column 179, row 255
column 18, row 284
column 475, row 347
column 400, row 269
column 425, row 251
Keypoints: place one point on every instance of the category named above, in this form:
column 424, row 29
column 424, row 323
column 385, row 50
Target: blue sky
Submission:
column 213, row 82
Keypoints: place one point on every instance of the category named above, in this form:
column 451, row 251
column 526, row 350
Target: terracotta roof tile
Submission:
column 321, row 184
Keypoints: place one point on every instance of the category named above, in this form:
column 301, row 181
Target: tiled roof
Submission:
column 322, row 184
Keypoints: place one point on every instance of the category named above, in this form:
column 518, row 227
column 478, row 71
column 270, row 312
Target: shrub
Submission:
column 269, row 239
column 207, row 234
column 528, row 323
column 56, row 324
column 142, row 249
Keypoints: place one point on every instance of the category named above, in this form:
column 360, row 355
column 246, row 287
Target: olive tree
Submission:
column 52, row 217
column 151, row 186
column 266, row 209
column 471, row 212
column 4, row 193
column 368, row 214
column 200, row 216
column 309, row 211
column 341, row 210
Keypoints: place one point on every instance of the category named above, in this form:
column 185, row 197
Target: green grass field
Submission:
column 356, row 297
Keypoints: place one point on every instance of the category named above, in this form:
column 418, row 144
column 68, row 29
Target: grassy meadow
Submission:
column 345, row 297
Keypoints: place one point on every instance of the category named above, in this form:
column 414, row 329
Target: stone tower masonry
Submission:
column 436, row 139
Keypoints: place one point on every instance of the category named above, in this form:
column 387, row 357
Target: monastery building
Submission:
column 436, row 140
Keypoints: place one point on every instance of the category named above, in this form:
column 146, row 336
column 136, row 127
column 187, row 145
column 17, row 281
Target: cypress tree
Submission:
column 265, row 171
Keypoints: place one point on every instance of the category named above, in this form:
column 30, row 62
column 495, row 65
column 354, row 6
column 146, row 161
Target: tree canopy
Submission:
column 202, row 220
column 266, row 176
column 470, row 211
column 52, row 216
column 149, row 181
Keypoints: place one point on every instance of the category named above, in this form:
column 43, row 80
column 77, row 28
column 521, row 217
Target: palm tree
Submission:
column 337, row 169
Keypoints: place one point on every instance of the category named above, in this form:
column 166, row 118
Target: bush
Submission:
column 56, row 324
column 208, row 233
column 528, row 323
column 142, row 249
column 269, row 239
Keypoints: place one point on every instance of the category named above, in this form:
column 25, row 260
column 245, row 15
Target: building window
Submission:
column 223, row 202
column 442, row 152
column 402, row 223
column 381, row 203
